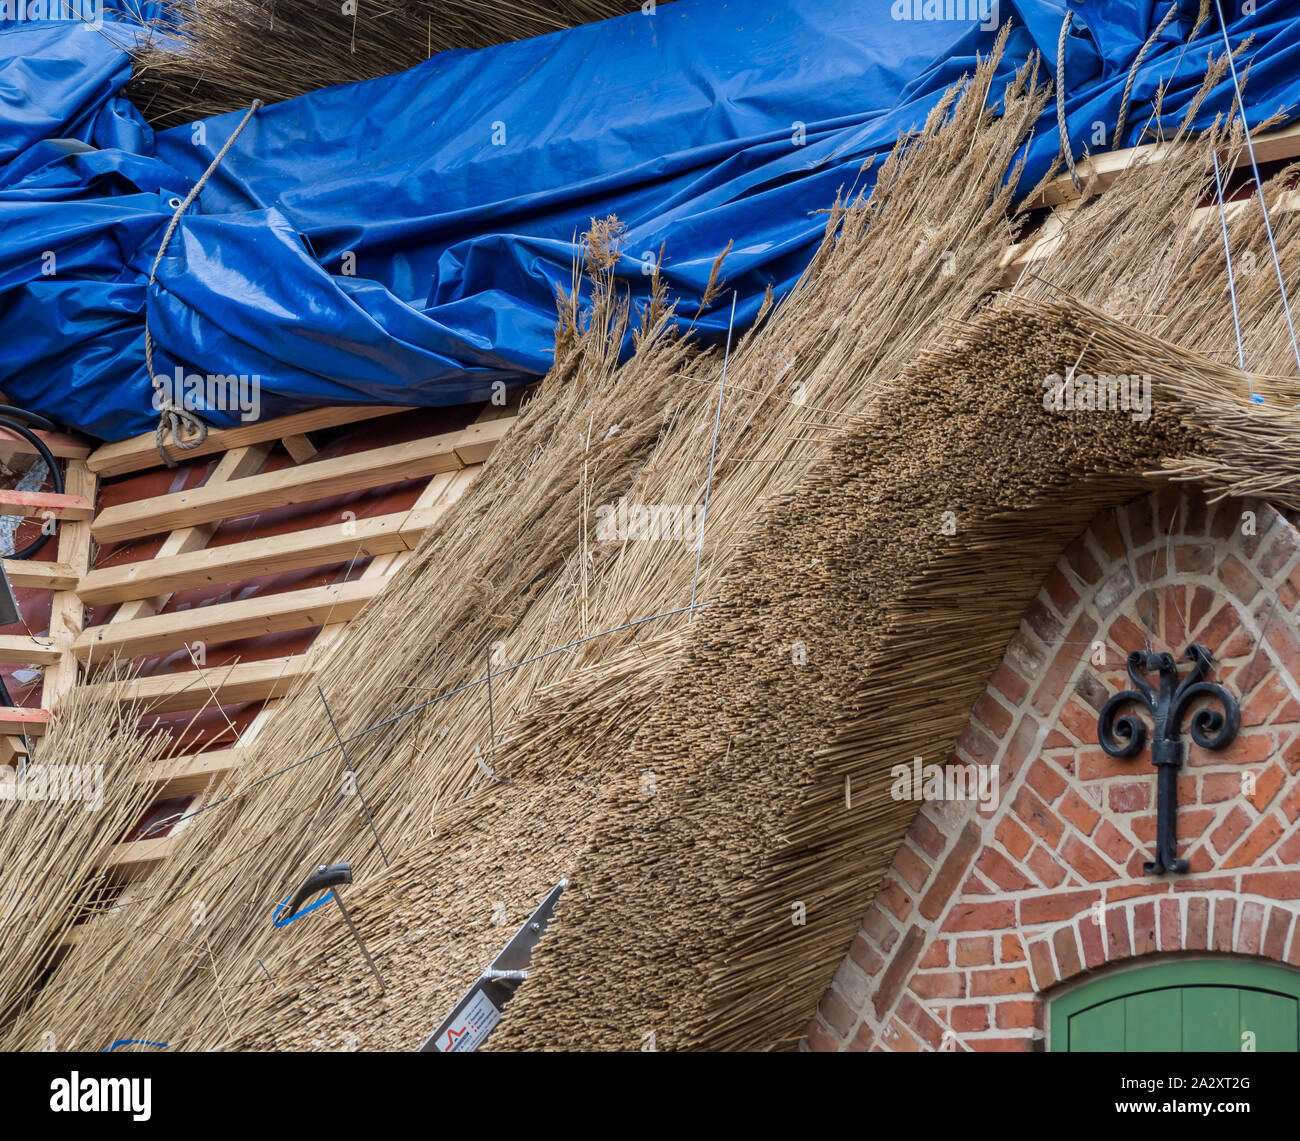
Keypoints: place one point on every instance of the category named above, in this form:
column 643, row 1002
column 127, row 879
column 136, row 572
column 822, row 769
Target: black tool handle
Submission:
column 324, row 877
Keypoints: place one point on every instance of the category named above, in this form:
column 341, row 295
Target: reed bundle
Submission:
column 222, row 56
column 678, row 919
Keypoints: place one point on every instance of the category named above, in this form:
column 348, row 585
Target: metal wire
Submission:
column 347, row 760
column 396, row 717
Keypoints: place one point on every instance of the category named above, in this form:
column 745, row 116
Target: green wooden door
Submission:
column 1182, row 1007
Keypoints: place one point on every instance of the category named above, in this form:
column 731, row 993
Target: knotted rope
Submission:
column 173, row 417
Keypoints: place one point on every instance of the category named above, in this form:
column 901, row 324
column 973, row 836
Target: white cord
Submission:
column 1259, row 184
column 1232, row 280
column 175, row 417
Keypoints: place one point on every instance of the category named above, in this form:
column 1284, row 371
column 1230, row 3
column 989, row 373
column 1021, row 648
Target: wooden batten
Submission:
column 62, row 445
column 227, row 621
column 67, row 615
column 236, row 464
column 20, row 721
column 1025, row 255
column 316, row 546
column 41, row 576
column 318, row 479
column 141, row 452
column 46, row 505
column 25, row 650
column 300, row 447
column 1103, row 169
column 135, row 858
column 225, row 685
column 13, row 750
column 187, row 775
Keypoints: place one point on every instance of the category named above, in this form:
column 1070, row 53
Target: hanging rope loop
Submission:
column 1060, row 99
column 187, row 430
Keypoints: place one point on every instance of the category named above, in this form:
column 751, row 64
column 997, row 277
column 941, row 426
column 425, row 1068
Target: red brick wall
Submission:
column 981, row 911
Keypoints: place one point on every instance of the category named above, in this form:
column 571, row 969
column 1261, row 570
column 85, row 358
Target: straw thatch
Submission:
column 688, row 777
column 60, row 812
column 235, row 51
column 678, row 920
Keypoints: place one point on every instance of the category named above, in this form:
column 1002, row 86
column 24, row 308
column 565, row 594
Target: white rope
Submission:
column 1122, row 122
column 175, row 417
column 1060, row 100
column 1259, row 185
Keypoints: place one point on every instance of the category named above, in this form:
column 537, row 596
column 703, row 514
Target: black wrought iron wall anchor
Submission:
column 1125, row 736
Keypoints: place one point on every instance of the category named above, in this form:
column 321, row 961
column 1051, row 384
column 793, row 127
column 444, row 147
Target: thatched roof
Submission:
column 884, row 393
column 682, row 891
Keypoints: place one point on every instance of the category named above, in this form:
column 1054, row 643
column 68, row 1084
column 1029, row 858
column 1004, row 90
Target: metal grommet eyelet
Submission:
column 174, row 203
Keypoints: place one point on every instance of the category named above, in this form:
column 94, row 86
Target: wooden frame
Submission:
column 227, row 621
column 451, row 461
column 225, row 685
column 1103, row 169
column 425, row 457
column 141, row 452
column 316, row 546
column 1065, row 198
column 46, row 504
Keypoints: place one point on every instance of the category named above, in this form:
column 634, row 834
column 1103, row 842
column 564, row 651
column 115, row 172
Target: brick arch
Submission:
column 1128, row 932
column 983, row 911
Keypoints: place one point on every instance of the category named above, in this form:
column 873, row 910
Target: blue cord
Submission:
column 298, row 915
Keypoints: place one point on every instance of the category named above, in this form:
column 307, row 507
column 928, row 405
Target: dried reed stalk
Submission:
column 90, row 794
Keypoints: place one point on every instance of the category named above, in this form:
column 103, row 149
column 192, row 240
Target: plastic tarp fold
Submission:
column 401, row 240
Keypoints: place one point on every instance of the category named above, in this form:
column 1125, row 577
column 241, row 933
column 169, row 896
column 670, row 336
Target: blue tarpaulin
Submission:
column 400, row 240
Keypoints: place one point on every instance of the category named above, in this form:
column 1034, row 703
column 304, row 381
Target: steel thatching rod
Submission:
column 396, row 717
column 492, row 726
column 347, row 760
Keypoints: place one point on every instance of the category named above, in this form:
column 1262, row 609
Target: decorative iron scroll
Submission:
column 1125, row 736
